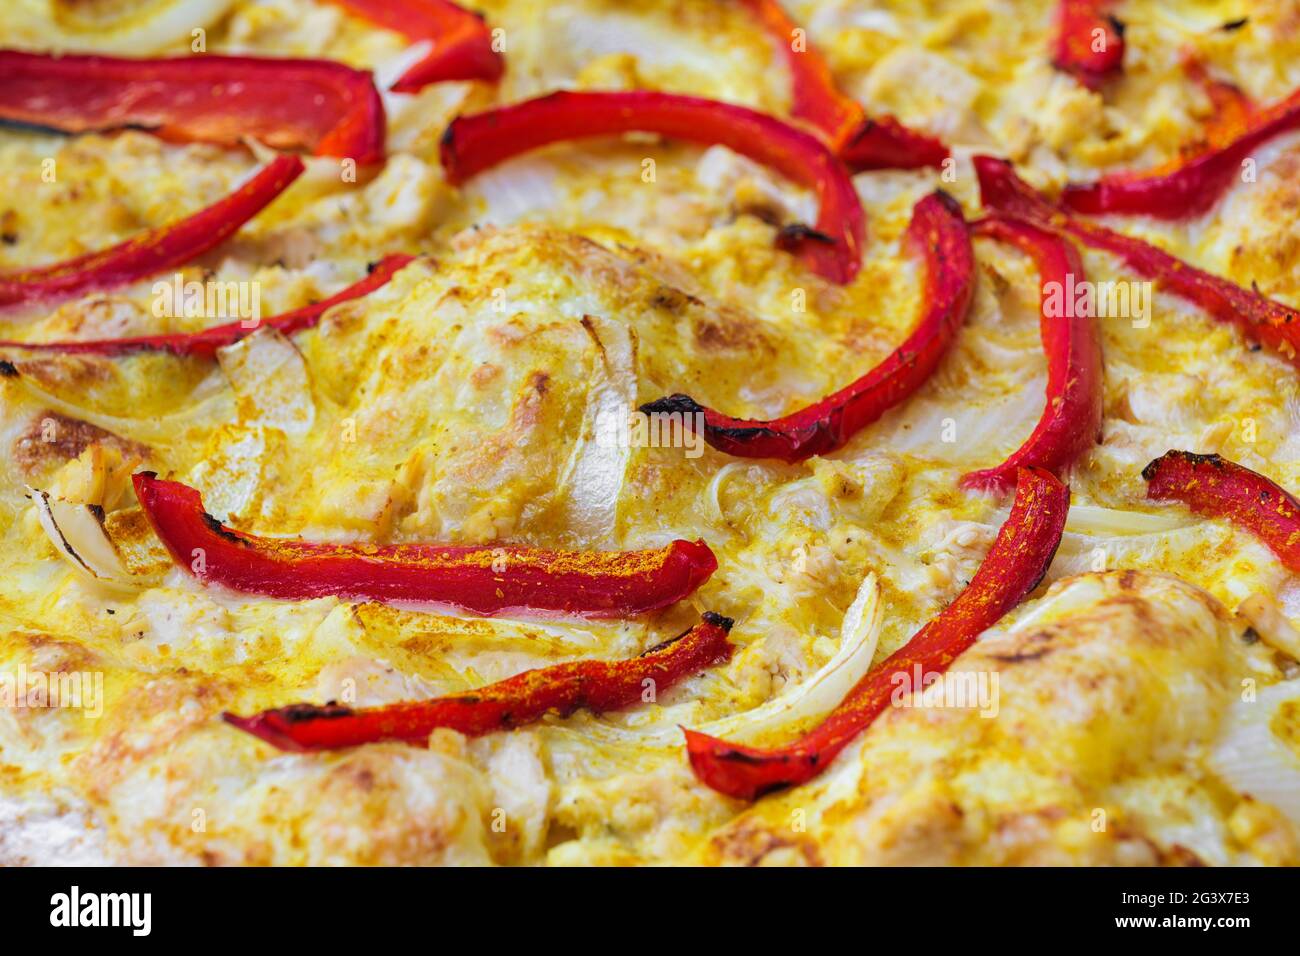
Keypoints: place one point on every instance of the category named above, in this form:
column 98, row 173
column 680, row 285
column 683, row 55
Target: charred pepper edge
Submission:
column 938, row 325
column 277, row 726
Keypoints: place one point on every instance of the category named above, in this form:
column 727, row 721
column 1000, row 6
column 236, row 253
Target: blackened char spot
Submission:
column 717, row 620
column 949, row 203
column 1192, row 458
column 299, row 713
column 791, row 236
column 672, row 404
column 219, row 529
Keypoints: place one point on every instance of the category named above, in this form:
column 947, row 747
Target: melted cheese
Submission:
column 456, row 404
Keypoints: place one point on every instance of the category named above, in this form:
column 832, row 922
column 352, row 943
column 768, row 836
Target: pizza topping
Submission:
column 1071, row 421
column 1219, row 488
column 461, row 41
column 155, row 250
column 1194, row 184
column 77, row 532
column 314, row 105
column 205, row 344
column 1089, row 44
column 597, row 686
column 938, row 233
column 1013, row 567
column 483, row 579
column 1261, row 319
column 863, row 143
column 462, row 44
column 832, row 248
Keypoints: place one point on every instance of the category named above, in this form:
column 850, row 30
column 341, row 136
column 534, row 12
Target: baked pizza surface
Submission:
column 1140, row 706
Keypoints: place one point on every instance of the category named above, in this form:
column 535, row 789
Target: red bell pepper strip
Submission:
column 313, row 105
column 1014, row 566
column 1194, row 185
column 204, row 344
column 863, row 143
column 1260, row 319
column 597, row 686
column 485, row 580
column 462, row 42
column 938, row 233
column 1089, row 45
column 151, row 252
column 1071, row 420
column 1219, row 488
column 833, row 249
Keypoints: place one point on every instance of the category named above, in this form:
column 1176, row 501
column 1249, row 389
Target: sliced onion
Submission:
column 795, row 705
column 598, row 466
column 394, row 68
column 205, row 403
column 515, row 190
column 1264, row 615
column 77, row 533
column 713, row 493
column 1250, row 756
column 162, row 25
column 817, row 696
column 1109, row 522
column 270, row 377
column 1095, row 521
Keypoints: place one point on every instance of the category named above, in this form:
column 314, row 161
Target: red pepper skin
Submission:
column 833, row 249
column 1218, row 488
column 313, row 105
column 1014, row 566
column 938, row 232
column 862, row 143
column 204, row 344
column 882, row 142
column 151, row 252
column 1071, row 422
column 597, row 686
column 1260, row 319
column 1076, row 24
column 586, row 583
column 462, row 42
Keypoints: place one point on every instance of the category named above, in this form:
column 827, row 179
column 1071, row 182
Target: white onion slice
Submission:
column 1096, row 521
column 77, row 533
column 270, row 377
column 598, row 466
column 819, row 695
column 393, row 69
column 806, row 701
column 514, row 191
column 1252, row 759
column 1108, row 522
column 161, row 26
column 1271, row 624
column 204, row 402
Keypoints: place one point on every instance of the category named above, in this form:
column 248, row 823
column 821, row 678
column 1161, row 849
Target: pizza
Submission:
column 683, row 432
